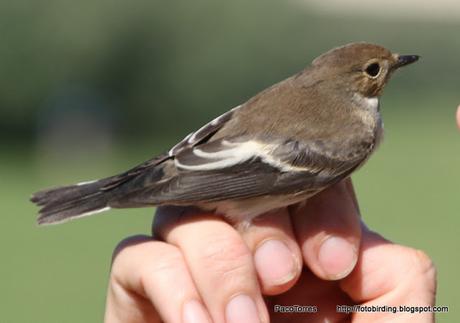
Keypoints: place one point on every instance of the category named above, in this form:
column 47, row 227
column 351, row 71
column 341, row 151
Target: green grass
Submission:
column 408, row 191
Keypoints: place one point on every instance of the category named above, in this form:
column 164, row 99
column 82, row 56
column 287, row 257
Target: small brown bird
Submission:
column 282, row 146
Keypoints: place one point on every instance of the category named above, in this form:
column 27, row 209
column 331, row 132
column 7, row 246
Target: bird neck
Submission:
column 367, row 109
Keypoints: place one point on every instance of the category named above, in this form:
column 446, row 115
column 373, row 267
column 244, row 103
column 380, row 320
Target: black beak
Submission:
column 406, row 60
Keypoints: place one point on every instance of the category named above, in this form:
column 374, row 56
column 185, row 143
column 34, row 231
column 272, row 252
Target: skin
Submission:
column 458, row 117
column 198, row 268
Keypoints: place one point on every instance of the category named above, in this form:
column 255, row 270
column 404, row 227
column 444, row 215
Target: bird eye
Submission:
column 373, row 70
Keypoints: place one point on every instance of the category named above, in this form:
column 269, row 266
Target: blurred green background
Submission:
column 90, row 88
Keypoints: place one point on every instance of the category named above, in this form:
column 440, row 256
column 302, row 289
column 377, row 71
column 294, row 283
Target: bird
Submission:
column 279, row 148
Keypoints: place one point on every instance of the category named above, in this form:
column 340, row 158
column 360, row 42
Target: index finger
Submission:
column 219, row 261
column 458, row 117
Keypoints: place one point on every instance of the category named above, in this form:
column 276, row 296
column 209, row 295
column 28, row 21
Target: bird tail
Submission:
column 70, row 202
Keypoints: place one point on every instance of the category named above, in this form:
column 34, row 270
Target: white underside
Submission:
column 242, row 212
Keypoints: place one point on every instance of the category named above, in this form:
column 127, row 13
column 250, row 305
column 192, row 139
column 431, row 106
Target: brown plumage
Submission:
column 285, row 144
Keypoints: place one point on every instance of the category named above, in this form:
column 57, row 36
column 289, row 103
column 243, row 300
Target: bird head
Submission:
column 360, row 67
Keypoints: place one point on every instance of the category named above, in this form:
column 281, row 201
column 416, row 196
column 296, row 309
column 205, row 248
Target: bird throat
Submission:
column 367, row 109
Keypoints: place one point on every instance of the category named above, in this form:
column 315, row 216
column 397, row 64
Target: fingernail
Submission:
column 241, row 309
column 194, row 312
column 337, row 257
column 275, row 263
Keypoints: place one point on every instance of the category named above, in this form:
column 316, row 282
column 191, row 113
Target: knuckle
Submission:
column 125, row 245
column 120, row 256
column 424, row 265
column 227, row 256
column 166, row 257
column 422, row 270
column 166, row 260
column 116, row 277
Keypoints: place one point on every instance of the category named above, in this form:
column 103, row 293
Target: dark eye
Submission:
column 373, row 69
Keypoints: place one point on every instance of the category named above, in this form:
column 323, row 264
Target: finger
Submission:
column 351, row 191
column 149, row 280
column 393, row 275
column 329, row 232
column 220, row 263
column 458, row 117
column 277, row 256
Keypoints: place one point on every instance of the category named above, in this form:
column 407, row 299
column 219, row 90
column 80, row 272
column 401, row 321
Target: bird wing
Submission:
column 220, row 162
column 239, row 168
column 150, row 169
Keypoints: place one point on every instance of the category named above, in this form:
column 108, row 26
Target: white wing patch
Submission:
column 196, row 136
column 173, row 150
column 233, row 154
column 86, row 183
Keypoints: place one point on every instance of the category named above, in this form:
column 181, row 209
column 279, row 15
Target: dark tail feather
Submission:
column 71, row 202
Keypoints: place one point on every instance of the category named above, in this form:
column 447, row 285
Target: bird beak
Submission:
column 402, row 60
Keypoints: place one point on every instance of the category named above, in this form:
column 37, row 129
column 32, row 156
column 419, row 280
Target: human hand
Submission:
column 200, row 269
column 458, row 117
